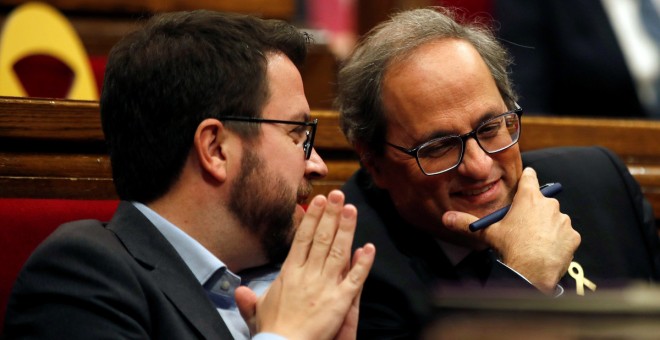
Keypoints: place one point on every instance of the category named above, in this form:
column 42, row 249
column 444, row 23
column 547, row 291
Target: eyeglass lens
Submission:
column 307, row 144
column 494, row 135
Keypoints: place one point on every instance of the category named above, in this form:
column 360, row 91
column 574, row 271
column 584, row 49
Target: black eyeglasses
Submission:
column 446, row 153
column 306, row 130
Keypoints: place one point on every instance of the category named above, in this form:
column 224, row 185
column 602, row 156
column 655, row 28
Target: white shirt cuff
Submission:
column 559, row 290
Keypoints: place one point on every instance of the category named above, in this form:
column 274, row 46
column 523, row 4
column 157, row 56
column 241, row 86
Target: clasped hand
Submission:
column 534, row 238
column 317, row 293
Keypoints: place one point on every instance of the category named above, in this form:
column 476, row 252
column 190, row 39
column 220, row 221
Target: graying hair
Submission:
column 360, row 79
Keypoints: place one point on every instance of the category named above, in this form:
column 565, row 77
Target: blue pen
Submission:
column 548, row 190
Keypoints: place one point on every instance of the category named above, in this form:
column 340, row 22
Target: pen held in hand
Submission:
column 548, row 190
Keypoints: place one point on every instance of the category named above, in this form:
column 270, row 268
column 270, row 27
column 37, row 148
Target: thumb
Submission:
column 246, row 301
column 457, row 221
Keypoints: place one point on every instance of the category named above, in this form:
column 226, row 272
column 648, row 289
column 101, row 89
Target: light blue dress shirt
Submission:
column 204, row 265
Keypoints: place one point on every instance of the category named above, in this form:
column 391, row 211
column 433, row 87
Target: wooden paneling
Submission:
column 54, row 148
column 101, row 29
column 632, row 139
column 44, row 119
column 636, row 141
column 282, row 9
column 101, row 23
column 51, row 148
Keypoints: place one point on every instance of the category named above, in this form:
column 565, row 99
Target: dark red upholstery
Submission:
column 98, row 67
column 48, row 77
column 24, row 223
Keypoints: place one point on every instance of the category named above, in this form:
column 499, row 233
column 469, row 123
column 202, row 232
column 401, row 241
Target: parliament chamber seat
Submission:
column 54, row 166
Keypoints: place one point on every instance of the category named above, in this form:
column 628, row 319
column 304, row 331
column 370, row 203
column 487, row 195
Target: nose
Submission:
column 315, row 167
column 476, row 162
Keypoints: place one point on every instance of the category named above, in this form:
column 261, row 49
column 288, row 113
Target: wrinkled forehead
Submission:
column 443, row 84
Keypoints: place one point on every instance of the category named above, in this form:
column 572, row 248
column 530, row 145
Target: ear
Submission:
column 370, row 163
column 211, row 147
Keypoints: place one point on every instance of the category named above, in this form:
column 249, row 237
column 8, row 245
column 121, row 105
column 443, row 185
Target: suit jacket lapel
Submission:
column 150, row 248
column 424, row 254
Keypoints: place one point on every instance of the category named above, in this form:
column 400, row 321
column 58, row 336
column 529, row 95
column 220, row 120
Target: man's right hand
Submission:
column 317, row 293
column 534, row 238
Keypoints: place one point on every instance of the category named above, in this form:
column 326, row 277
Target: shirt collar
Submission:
column 201, row 262
column 454, row 253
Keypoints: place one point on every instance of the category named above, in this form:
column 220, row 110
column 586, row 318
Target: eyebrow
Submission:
column 439, row 134
column 301, row 116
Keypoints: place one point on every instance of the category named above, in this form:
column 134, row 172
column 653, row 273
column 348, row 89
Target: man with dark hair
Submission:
column 427, row 103
column 211, row 145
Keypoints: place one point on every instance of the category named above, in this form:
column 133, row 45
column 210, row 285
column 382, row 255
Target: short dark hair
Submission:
column 180, row 68
column 362, row 117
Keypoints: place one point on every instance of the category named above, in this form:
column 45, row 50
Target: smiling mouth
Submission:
column 475, row 192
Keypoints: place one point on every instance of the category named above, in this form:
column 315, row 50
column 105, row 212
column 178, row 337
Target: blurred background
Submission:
column 98, row 24
column 578, row 58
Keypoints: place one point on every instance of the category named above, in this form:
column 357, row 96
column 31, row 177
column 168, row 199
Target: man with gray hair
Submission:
column 427, row 103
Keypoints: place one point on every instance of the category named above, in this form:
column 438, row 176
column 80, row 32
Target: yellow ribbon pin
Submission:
column 575, row 270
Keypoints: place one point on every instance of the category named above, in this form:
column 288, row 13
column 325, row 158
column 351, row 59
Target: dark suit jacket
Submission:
column 119, row 280
column 567, row 60
column 606, row 206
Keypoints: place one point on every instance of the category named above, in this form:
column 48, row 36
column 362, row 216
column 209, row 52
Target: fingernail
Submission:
column 318, row 201
column 334, row 197
column 347, row 213
column 450, row 218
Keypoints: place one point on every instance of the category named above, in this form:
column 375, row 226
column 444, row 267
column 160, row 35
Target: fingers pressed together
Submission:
column 318, row 289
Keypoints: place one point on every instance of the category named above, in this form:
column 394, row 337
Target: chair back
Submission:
column 36, row 28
